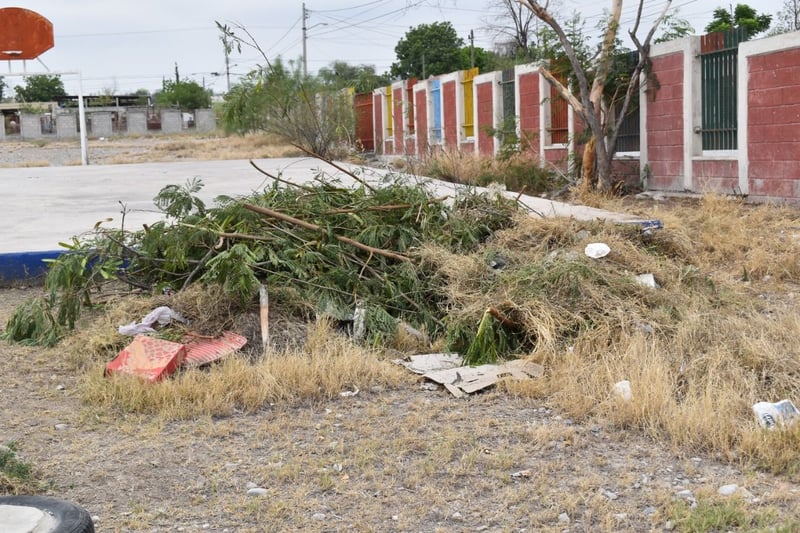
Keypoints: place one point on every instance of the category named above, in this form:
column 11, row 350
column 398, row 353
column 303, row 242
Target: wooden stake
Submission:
column 264, row 308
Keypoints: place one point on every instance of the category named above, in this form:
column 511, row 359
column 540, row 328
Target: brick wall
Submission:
column 529, row 109
column 377, row 106
column 720, row 176
column 773, row 126
column 665, row 123
column 485, row 122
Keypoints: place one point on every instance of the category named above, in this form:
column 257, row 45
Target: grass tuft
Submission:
column 327, row 365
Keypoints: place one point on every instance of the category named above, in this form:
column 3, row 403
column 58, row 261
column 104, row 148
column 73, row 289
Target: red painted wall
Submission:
column 773, row 126
column 378, row 114
column 485, row 104
column 421, row 113
column 720, row 176
column 364, row 131
column 665, row 124
column 528, row 112
column 449, row 109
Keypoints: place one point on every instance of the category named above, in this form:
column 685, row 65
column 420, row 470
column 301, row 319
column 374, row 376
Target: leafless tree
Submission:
column 588, row 103
column 513, row 27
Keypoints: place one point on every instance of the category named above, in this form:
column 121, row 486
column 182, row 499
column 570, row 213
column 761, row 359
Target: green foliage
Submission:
column 40, row 88
column 16, row 476
column 341, row 75
column 178, row 201
column 429, row 50
column 32, row 323
column 674, row 27
column 234, row 270
column 278, row 99
column 744, row 16
column 722, row 515
column 238, row 249
column 3, row 86
column 485, row 60
column 188, row 95
column 490, row 342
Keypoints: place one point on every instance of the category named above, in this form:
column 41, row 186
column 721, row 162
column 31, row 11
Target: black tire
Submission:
column 69, row 518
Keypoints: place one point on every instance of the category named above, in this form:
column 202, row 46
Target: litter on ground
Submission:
column 149, row 358
column 446, row 369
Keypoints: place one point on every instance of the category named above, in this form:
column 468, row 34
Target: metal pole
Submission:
column 305, row 57
column 82, row 119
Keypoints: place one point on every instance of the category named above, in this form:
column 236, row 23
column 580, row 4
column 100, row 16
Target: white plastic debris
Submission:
column 162, row 315
column 779, row 414
column 648, row 280
column 596, row 250
column 622, row 390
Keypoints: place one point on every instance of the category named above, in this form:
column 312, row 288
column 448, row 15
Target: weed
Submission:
column 16, row 476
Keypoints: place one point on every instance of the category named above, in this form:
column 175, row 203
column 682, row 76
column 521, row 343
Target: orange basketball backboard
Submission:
column 24, row 34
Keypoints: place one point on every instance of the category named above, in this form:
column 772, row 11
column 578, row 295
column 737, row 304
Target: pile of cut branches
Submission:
column 320, row 248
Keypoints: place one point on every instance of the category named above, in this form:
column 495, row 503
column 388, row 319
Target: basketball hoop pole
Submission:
column 82, row 119
column 25, row 34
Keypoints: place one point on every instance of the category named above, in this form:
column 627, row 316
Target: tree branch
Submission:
column 314, row 227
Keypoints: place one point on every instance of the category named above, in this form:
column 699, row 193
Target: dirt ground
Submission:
column 414, row 459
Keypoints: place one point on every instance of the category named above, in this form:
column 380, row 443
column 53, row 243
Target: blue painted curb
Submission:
column 23, row 266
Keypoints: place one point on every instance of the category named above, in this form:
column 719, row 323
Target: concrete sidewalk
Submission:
column 43, row 206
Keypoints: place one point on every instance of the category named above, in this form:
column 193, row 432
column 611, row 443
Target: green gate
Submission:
column 718, row 61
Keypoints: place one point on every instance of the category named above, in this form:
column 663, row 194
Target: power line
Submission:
column 360, row 6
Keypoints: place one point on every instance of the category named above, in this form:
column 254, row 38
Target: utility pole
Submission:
column 177, row 77
column 305, row 37
column 228, row 65
column 472, row 49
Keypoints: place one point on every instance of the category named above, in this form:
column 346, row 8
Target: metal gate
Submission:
column 718, row 62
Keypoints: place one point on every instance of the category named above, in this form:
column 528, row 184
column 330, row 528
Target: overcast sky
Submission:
column 122, row 46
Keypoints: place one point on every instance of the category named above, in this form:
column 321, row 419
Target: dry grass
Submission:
column 327, row 366
column 27, row 164
column 201, row 147
column 714, row 339
column 717, row 336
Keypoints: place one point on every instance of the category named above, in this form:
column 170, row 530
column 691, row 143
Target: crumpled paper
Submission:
column 162, row 315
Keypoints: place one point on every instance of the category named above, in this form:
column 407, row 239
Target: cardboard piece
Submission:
column 201, row 351
column 149, row 358
column 420, row 364
column 445, row 369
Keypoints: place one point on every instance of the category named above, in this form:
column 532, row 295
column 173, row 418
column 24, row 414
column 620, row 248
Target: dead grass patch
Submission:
column 699, row 351
column 325, row 367
column 27, row 164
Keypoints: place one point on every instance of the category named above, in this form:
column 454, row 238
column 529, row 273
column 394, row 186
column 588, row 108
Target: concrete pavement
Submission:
column 42, row 206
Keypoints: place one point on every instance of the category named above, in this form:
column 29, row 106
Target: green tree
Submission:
column 428, row 50
column 788, row 18
column 188, row 95
column 674, row 27
column 743, row 16
column 2, row 87
column 340, row 74
column 40, row 88
column 485, row 60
